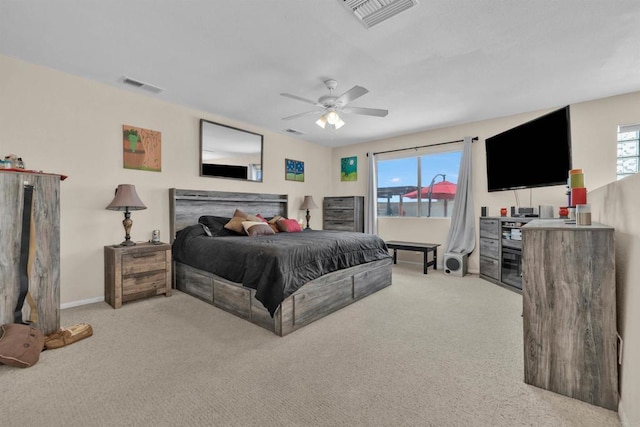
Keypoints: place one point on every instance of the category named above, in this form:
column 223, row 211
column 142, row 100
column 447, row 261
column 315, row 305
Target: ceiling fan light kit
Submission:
column 330, row 105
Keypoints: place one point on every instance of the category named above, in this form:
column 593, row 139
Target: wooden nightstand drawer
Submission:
column 144, row 261
column 134, row 272
column 142, row 282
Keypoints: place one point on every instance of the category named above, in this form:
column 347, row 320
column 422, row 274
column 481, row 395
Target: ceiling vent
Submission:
column 140, row 85
column 293, row 131
column 373, row 12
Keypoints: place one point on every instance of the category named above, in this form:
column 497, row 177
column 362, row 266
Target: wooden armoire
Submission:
column 44, row 272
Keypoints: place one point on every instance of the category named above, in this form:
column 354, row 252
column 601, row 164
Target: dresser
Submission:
column 135, row 272
column 44, row 270
column 343, row 213
column 569, row 310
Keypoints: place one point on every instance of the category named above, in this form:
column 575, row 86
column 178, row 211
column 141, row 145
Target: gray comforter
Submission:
column 276, row 265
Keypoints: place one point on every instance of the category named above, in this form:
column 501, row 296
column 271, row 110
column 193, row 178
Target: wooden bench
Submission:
column 419, row 247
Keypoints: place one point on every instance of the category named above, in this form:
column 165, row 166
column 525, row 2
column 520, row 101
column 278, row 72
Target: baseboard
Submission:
column 81, row 302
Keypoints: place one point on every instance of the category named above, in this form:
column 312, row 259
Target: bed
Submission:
column 301, row 304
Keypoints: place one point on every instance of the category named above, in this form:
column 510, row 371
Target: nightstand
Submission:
column 134, row 272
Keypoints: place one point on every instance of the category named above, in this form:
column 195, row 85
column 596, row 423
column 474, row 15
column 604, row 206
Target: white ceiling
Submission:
column 441, row 63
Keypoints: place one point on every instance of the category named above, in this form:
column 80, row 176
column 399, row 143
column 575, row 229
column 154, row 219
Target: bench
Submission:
column 418, row 247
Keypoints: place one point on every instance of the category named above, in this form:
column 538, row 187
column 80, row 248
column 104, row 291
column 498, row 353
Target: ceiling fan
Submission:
column 330, row 105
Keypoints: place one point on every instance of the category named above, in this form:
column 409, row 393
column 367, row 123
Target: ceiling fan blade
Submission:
column 351, row 95
column 366, row 111
column 299, row 98
column 306, row 113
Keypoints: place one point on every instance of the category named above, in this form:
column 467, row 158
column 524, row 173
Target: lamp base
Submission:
column 308, row 218
column 128, row 243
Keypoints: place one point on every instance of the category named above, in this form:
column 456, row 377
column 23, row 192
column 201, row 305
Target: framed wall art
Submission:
column 349, row 169
column 141, row 149
column 293, row 170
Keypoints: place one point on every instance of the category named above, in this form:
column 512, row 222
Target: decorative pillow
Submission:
column 275, row 219
column 289, row 225
column 257, row 228
column 235, row 224
column 216, row 225
column 254, row 218
column 274, row 227
column 240, row 213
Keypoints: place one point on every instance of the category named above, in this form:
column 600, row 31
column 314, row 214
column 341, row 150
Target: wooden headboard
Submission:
column 186, row 206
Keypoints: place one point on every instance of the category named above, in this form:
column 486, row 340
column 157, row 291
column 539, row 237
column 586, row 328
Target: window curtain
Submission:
column 462, row 233
column 371, row 199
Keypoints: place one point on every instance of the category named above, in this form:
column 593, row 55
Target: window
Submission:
column 418, row 186
column 628, row 150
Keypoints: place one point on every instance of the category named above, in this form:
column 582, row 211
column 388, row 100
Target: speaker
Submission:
column 455, row 264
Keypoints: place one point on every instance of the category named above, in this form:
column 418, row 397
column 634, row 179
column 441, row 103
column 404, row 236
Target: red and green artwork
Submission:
column 142, row 148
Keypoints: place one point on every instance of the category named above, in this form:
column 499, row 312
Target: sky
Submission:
column 404, row 172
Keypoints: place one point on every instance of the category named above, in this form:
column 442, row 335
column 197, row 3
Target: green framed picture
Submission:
column 349, row 169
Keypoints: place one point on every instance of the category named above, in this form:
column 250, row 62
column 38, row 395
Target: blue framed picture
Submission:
column 293, row 170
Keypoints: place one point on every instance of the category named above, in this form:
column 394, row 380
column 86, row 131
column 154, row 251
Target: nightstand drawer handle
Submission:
column 144, row 255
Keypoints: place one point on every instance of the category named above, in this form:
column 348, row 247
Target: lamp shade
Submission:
column 308, row 203
column 126, row 199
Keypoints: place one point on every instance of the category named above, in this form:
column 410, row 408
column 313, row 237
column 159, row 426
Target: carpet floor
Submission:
column 430, row 350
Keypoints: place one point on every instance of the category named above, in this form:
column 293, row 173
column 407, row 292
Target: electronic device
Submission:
column 541, row 149
column 455, row 264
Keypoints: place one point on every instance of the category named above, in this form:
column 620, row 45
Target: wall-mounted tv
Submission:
column 534, row 154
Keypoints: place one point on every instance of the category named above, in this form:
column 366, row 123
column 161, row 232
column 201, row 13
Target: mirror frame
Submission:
column 227, row 171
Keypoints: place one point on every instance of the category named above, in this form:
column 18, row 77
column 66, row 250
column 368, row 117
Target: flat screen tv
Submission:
column 534, row 154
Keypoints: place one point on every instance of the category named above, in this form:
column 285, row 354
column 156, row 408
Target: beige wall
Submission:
column 68, row 125
column 617, row 205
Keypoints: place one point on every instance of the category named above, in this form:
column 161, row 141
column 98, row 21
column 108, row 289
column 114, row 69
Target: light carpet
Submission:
column 431, row 350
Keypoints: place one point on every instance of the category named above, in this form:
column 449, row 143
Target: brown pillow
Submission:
column 257, row 228
column 275, row 219
column 274, row 227
column 240, row 213
column 235, row 224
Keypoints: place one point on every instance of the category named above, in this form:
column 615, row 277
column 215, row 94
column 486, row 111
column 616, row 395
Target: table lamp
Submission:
column 126, row 200
column 308, row 204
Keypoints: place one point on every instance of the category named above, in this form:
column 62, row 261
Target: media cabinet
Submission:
column 501, row 250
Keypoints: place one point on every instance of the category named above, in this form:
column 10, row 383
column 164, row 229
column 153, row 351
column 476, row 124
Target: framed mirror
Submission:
column 228, row 152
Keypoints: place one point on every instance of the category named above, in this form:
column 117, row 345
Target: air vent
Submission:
column 141, row 85
column 293, row 131
column 373, row 12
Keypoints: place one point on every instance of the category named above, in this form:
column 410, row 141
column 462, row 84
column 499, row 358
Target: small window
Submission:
column 628, row 150
column 418, row 186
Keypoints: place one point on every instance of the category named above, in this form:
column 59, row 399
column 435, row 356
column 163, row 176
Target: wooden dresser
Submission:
column 44, row 275
column 134, row 272
column 343, row 213
column 569, row 310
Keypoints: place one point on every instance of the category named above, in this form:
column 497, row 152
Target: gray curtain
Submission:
column 462, row 234
column 371, row 199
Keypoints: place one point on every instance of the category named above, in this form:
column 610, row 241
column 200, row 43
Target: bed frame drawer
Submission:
column 321, row 300
column 232, row 298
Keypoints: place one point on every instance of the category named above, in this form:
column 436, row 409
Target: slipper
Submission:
column 66, row 336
